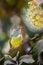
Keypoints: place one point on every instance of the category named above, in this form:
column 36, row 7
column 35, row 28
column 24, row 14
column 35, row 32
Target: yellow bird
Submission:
column 16, row 39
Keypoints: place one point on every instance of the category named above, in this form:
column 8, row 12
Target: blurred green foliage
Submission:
column 11, row 2
column 1, row 13
column 41, row 5
column 3, row 36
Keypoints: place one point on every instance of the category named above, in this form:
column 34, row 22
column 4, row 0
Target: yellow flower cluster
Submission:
column 34, row 13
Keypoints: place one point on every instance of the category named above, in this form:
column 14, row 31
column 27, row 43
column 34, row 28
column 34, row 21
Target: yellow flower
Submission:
column 34, row 15
column 37, row 22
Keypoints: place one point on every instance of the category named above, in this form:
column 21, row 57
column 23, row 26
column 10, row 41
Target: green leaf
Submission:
column 7, row 57
column 35, row 53
column 8, row 62
column 26, row 59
